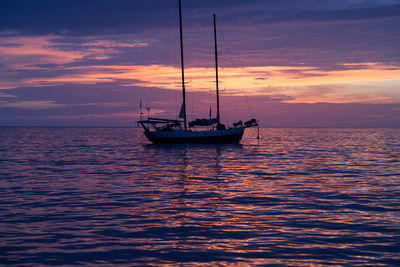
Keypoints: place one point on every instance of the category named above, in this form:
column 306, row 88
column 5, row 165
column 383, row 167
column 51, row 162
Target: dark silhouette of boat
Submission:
column 167, row 131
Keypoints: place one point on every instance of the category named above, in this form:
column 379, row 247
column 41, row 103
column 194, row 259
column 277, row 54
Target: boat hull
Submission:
column 229, row 136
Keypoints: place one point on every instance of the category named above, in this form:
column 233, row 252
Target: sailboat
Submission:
column 170, row 131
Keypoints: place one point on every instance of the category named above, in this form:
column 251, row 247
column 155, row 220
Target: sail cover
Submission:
column 182, row 112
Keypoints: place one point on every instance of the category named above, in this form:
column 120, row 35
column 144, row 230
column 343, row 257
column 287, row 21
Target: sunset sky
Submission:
column 288, row 63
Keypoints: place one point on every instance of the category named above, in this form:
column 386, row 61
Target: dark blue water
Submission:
column 93, row 196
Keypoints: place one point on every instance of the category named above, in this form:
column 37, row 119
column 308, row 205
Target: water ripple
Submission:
column 93, row 196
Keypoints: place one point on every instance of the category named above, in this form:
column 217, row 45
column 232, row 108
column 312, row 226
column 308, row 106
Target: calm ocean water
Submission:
column 104, row 196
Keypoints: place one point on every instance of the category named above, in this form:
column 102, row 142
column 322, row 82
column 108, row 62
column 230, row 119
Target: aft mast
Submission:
column 216, row 68
column 182, row 66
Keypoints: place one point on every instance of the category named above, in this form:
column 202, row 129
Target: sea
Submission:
column 292, row 197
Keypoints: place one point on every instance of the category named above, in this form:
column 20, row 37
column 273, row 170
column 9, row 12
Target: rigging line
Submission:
column 190, row 79
column 234, row 65
column 227, row 99
column 246, row 97
column 190, row 91
column 211, row 86
column 173, row 21
column 216, row 68
column 164, row 57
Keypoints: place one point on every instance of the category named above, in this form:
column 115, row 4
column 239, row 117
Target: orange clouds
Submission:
column 369, row 83
column 354, row 82
column 37, row 53
column 32, row 105
column 24, row 52
column 131, row 116
column 21, row 52
column 254, row 79
column 105, row 43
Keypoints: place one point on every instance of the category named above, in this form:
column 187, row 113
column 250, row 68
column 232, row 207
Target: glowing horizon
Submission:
column 292, row 81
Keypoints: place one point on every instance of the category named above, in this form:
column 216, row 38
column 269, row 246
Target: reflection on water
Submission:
column 104, row 196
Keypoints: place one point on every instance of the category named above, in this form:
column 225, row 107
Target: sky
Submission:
column 287, row 63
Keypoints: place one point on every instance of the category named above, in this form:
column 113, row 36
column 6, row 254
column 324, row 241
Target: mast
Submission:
column 216, row 67
column 182, row 66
